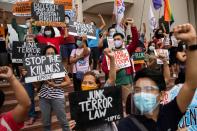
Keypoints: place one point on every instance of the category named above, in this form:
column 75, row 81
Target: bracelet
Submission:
column 192, row 47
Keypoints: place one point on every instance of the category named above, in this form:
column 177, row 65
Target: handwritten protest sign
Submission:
column 2, row 34
column 96, row 106
column 67, row 4
column 78, row 29
column 162, row 52
column 122, row 59
column 41, row 68
column 138, row 57
column 110, row 42
column 21, row 50
column 48, row 14
column 22, row 8
column 189, row 120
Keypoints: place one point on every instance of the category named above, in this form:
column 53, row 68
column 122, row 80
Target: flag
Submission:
column 152, row 19
column 157, row 4
column 119, row 9
column 168, row 16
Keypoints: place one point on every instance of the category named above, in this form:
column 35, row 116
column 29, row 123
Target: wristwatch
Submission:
column 192, row 47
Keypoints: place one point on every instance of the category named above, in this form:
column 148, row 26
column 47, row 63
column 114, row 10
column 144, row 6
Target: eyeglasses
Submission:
column 147, row 89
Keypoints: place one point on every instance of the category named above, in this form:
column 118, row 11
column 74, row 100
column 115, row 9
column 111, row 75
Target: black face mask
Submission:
column 2, row 98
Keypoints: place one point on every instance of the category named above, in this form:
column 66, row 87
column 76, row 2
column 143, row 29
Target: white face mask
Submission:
column 48, row 33
column 28, row 24
column 67, row 20
column 151, row 48
column 118, row 43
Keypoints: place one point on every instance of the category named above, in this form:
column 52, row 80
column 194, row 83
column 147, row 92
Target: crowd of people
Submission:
column 84, row 59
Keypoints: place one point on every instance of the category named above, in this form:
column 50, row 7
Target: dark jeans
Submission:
column 95, row 54
column 30, row 91
column 76, row 83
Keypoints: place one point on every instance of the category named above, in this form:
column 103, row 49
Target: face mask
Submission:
column 67, row 20
column 151, row 48
column 86, row 88
column 79, row 43
column 28, row 24
column 145, row 102
column 112, row 33
column 47, row 33
column 118, row 43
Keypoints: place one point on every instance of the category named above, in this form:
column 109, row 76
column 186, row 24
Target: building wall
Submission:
column 179, row 9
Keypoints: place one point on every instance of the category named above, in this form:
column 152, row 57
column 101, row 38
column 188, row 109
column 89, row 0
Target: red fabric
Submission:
column 67, row 40
column 8, row 117
column 131, row 48
column 55, row 41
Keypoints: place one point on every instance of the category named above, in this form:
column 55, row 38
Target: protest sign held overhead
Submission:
column 25, row 49
column 96, row 106
column 22, row 8
column 138, row 57
column 67, row 4
column 41, row 68
column 48, row 14
column 122, row 59
column 79, row 29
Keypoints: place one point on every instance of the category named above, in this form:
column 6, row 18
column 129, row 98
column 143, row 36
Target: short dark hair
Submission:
column 156, row 76
column 110, row 28
column 118, row 34
column 51, row 29
column 48, row 47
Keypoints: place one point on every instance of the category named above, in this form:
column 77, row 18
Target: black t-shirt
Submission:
column 168, row 119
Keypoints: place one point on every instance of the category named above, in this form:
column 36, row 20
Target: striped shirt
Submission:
column 52, row 93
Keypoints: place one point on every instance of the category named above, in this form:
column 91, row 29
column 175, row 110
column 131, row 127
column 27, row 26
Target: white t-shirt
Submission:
column 82, row 64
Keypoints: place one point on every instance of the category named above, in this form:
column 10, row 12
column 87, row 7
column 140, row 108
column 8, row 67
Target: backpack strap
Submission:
column 137, row 123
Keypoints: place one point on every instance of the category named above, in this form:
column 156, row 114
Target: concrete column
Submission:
column 80, row 10
column 191, row 12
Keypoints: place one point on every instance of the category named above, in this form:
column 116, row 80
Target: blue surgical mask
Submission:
column 79, row 43
column 145, row 102
column 118, row 43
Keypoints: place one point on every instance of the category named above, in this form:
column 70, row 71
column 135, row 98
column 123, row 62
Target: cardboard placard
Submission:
column 21, row 50
column 67, row 4
column 41, row 68
column 110, row 42
column 78, row 29
column 96, row 106
column 2, row 34
column 163, row 52
column 138, row 57
column 22, row 8
column 48, row 14
column 122, row 59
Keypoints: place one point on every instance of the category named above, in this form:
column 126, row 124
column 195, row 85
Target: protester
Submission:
column 49, row 38
column 124, row 77
column 14, row 119
column 90, row 82
column 80, row 60
column 67, row 46
column 30, row 91
column 93, row 43
column 148, row 86
column 52, row 97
